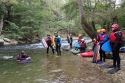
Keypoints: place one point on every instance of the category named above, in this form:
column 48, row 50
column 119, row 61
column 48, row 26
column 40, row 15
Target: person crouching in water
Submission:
column 22, row 56
column 70, row 41
column 83, row 46
column 49, row 43
column 57, row 40
column 102, row 40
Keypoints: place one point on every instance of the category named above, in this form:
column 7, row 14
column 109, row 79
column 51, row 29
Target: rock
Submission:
column 1, row 42
column 7, row 40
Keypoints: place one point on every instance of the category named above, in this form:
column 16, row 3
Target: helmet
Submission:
column 70, row 34
column 103, row 30
column 80, row 35
column 22, row 52
column 82, row 39
column 115, row 26
column 98, row 31
column 55, row 33
column 48, row 34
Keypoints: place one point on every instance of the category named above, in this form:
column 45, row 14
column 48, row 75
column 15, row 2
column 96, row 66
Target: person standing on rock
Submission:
column 70, row 40
column 49, row 43
column 116, row 41
column 96, row 40
column 57, row 40
column 103, row 38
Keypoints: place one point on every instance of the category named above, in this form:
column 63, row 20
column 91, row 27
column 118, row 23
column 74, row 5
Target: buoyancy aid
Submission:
column 57, row 39
column 49, row 41
column 82, row 43
column 113, row 37
column 79, row 39
column 102, row 38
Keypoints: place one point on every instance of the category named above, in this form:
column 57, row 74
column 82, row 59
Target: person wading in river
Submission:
column 103, row 38
column 70, row 41
column 49, row 43
column 57, row 40
column 116, row 41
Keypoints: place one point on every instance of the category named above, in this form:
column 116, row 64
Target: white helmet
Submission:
column 82, row 39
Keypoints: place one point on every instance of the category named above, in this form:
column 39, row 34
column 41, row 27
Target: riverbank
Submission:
column 118, row 77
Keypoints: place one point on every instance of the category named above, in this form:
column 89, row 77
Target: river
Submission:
column 68, row 68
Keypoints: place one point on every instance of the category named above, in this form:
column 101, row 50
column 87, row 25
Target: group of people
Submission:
column 115, row 42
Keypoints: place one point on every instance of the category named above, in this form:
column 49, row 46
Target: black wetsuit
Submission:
column 49, row 43
column 82, row 49
column 21, row 57
column 115, row 48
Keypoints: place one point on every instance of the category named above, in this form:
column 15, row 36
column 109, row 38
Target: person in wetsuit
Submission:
column 49, row 43
column 70, row 41
column 57, row 40
column 116, row 41
column 96, row 40
column 83, row 46
column 22, row 56
column 103, row 38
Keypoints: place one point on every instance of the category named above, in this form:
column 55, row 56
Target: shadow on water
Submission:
column 44, row 68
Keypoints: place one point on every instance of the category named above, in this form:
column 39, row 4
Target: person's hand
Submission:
column 98, row 43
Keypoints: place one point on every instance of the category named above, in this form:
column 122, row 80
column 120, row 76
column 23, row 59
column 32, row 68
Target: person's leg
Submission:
column 100, row 54
column 52, row 48
column 57, row 48
column 103, row 55
column 48, row 49
column 93, row 47
column 70, row 45
column 117, row 56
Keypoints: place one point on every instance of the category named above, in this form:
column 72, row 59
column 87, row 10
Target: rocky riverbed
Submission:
column 118, row 77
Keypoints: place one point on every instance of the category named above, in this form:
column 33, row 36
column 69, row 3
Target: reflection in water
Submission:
column 44, row 68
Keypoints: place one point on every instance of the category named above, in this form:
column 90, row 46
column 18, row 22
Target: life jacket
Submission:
column 49, row 41
column 98, row 37
column 102, row 38
column 57, row 39
column 82, row 43
column 113, row 37
column 79, row 39
column 96, row 43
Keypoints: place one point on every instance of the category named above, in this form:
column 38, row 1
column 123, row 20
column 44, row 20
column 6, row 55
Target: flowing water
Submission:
column 68, row 68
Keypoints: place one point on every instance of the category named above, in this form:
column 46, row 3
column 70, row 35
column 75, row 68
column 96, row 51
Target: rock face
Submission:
column 1, row 42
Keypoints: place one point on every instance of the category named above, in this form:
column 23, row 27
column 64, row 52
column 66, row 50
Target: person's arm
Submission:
column 118, row 37
column 60, row 40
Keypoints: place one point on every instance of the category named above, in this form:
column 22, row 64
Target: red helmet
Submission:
column 115, row 26
column 70, row 34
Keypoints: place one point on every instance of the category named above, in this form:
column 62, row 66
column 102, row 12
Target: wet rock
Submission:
column 7, row 40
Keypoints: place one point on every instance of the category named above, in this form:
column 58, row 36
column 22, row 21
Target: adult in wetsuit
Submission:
column 102, row 40
column 70, row 41
column 116, row 41
column 22, row 56
column 83, row 46
column 49, row 43
column 57, row 40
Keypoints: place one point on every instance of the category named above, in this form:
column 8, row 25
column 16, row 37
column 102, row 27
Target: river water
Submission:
column 68, row 68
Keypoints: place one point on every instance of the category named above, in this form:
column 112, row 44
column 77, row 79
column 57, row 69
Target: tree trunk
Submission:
column 1, row 25
column 83, row 21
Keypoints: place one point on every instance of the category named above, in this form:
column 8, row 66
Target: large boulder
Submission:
column 7, row 40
